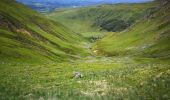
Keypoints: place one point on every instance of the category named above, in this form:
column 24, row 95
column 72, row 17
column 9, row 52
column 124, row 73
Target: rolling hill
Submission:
column 149, row 37
column 101, row 18
column 28, row 36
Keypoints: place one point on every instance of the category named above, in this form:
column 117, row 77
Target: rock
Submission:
column 78, row 75
column 1, row 17
column 41, row 98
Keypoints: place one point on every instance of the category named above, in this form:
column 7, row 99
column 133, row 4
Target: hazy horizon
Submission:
column 50, row 5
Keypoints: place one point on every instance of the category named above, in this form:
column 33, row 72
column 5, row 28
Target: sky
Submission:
column 66, row 1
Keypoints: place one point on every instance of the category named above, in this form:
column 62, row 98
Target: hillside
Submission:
column 28, row 36
column 101, row 18
column 149, row 37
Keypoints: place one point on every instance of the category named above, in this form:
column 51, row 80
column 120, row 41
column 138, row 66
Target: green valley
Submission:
column 103, row 52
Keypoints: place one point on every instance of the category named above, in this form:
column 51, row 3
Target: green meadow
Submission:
column 103, row 79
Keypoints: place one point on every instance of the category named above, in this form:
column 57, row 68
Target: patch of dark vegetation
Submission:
column 118, row 22
column 94, row 38
column 7, row 24
column 164, row 24
column 115, row 25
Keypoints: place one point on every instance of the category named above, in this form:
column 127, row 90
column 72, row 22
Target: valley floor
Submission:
column 104, row 78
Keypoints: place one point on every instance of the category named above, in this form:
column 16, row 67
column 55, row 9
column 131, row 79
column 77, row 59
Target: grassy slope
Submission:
column 149, row 37
column 100, row 18
column 28, row 36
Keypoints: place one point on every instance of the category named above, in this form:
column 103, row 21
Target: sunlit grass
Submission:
column 111, row 79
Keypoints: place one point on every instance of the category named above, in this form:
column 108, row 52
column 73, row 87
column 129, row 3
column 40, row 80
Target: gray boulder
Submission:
column 78, row 75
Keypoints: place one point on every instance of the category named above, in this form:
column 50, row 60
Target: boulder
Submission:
column 78, row 75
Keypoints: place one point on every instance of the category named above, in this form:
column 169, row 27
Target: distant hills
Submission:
column 50, row 5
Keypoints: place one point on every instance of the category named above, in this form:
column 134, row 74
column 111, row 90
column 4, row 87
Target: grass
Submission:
column 104, row 78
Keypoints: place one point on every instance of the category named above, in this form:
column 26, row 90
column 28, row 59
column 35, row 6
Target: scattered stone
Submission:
column 78, row 75
column 28, row 96
column 41, row 98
